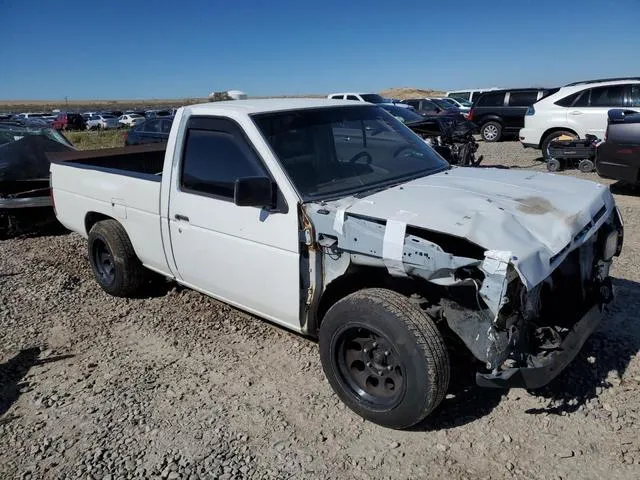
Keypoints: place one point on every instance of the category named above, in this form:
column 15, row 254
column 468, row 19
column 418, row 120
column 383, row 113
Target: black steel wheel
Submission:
column 103, row 260
column 113, row 260
column 384, row 357
column 369, row 365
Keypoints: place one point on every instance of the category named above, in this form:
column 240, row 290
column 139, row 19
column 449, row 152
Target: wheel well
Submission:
column 92, row 218
column 552, row 130
column 358, row 278
column 485, row 120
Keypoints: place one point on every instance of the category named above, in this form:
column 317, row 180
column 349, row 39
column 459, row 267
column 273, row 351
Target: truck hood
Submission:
column 538, row 218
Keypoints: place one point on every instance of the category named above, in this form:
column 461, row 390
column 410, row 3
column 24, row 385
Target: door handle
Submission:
column 575, row 112
column 182, row 218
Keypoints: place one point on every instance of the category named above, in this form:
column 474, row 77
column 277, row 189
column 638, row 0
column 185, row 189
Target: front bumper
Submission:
column 548, row 368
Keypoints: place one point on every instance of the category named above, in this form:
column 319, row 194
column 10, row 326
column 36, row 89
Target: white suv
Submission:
column 576, row 110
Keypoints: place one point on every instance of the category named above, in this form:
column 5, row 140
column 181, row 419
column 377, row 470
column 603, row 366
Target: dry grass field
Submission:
column 88, row 105
column 89, row 140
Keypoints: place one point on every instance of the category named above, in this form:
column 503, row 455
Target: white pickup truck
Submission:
column 336, row 221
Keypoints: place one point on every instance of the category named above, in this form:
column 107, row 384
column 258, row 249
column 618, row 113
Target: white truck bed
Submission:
column 131, row 197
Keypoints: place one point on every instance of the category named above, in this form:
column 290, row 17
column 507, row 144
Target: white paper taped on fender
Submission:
column 338, row 221
column 393, row 247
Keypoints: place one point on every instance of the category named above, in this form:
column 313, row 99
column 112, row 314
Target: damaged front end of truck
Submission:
column 525, row 319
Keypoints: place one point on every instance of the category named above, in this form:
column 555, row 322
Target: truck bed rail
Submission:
column 145, row 160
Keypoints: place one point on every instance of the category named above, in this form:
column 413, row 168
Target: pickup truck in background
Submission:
column 334, row 220
column 618, row 157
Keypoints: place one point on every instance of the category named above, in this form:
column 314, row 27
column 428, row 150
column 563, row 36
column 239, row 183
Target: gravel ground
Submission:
column 179, row 386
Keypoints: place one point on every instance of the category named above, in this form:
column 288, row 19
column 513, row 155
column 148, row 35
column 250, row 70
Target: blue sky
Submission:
column 173, row 49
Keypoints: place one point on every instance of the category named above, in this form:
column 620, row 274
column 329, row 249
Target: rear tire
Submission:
column 115, row 265
column 384, row 357
column 491, row 131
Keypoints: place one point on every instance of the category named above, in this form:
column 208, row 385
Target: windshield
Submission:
column 405, row 115
column 373, row 98
column 107, row 116
column 12, row 133
column 463, row 102
column 337, row 151
column 443, row 104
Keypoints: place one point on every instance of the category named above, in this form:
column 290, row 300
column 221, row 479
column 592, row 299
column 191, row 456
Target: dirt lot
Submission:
column 177, row 385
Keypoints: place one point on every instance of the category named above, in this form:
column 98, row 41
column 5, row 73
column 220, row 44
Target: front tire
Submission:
column 491, row 132
column 115, row 265
column 384, row 357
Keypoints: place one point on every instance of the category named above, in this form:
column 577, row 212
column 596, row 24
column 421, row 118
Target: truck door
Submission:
column 245, row 256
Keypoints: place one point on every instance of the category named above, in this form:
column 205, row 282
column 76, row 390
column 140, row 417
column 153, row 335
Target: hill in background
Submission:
column 410, row 92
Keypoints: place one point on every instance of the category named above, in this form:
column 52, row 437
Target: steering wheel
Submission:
column 397, row 151
column 363, row 154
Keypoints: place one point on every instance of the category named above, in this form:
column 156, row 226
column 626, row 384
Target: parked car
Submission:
column 25, row 200
column 69, row 121
column 31, row 115
column 463, row 105
column 364, row 97
column 153, row 130
column 446, row 105
column 618, row 157
column 452, row 139
column 102, row 122
column 470, row 94
column 576, row 110
column 297, row 211
column 502, row 112
column 429, row 107
column 407, row 116
column 130, row 119
column 157, row 113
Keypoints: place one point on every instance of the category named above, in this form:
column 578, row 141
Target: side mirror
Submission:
column 254, row 192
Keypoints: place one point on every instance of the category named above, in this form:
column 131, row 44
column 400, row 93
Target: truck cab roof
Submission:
column 263, row 105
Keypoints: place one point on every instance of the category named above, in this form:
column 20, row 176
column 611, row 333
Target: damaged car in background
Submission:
column 336, row 221
column 25, row 200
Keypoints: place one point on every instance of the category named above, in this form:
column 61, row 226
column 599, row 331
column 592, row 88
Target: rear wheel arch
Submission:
column 490, row 118
column 549, row 135
column 114, row 262
column 554, row 130
column 91, row 218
